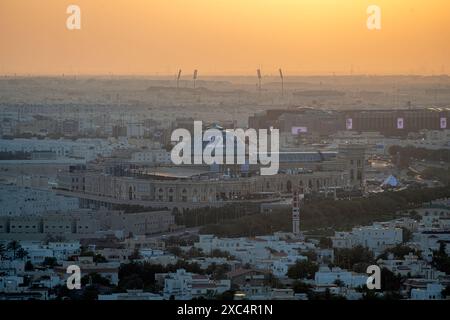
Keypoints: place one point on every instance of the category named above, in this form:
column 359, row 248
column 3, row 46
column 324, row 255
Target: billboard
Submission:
column 400, row 123
column 349, row 124
column 443, row 123
column 299, row 130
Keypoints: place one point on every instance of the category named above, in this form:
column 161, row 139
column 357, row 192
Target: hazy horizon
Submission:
column 150, row 37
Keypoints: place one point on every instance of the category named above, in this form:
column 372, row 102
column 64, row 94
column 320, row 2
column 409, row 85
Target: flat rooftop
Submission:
column 175, row 172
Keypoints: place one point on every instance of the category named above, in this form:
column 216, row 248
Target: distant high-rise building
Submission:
column 388, row 122
column 296, row 213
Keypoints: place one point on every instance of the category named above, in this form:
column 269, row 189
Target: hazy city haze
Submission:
column 224, row 37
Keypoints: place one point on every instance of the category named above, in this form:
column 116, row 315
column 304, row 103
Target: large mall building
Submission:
column 104, row 183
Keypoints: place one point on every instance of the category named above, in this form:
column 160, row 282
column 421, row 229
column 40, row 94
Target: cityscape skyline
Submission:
column 204, row 151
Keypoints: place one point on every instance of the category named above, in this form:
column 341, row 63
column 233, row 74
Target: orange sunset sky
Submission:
column 229, row 37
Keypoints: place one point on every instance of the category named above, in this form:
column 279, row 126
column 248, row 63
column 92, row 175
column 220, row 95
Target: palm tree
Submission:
column 21, row 253
column 14, row 246
column 339, row 283
column 2, row 250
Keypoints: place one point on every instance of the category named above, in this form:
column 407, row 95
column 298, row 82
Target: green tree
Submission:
column 14, row 246
column 194, row 252
column 175, row 251
column 325, row 243
column 310, row 254
column 98, row 258
column 217, row 271
column 441, row 260
column 95, row 279
column 133, row 281
column 446, row 291
column 339, row 283
column 29, row 266
column 90, row 293
column 399, row 251
column 390, row 282
column 350, row 258
column 302, row 269
column 50, row 262
column 2, row 250
column 216, row 253
column 135, row 255
column 407, row 235
column 21, row 253
column 301, row 287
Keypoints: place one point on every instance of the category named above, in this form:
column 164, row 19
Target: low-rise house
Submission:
column 46, row 281
column 410, row 266
column 282, row 294
column 205, row 262
column 251, row 283
column 433, row 291
column 164, row 259
column 182, row 285
column 325, row 256
column 64, row 250
column 10, row 284
column 115, row 254
column 12, row 267
column 37, row 254
column 377, row 237
column 108, row 270
column 281, row 266
column 253, row 250
column 430, row 240
column 143, row 242
column 435, row 215
column 330, row 277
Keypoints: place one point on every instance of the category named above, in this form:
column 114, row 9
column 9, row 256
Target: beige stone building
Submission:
column 186, row 187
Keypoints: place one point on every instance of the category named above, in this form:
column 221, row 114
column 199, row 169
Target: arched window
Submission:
column 130, row 193
column 289, row 186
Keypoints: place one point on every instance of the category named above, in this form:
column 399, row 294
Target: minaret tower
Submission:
column 296, row 213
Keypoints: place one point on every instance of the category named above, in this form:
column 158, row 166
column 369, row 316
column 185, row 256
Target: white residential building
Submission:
column 252, row 250
column 10, row 284
column 25, row 201
column 280, row 267
column 377, row 237
column 433, row 291
column 178, row 285
column 328, row 277
column 36, row 251
column 63, row 250
column 183, row 285
column 87, row 149
column 158, row 156
column 430, row 240
column 108, row 270
column 205, row 262
column 410, row 266
column 12, row 267
column 435, row 216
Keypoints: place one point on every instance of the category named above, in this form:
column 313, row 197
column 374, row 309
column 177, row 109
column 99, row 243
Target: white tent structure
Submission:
column 390, row 181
